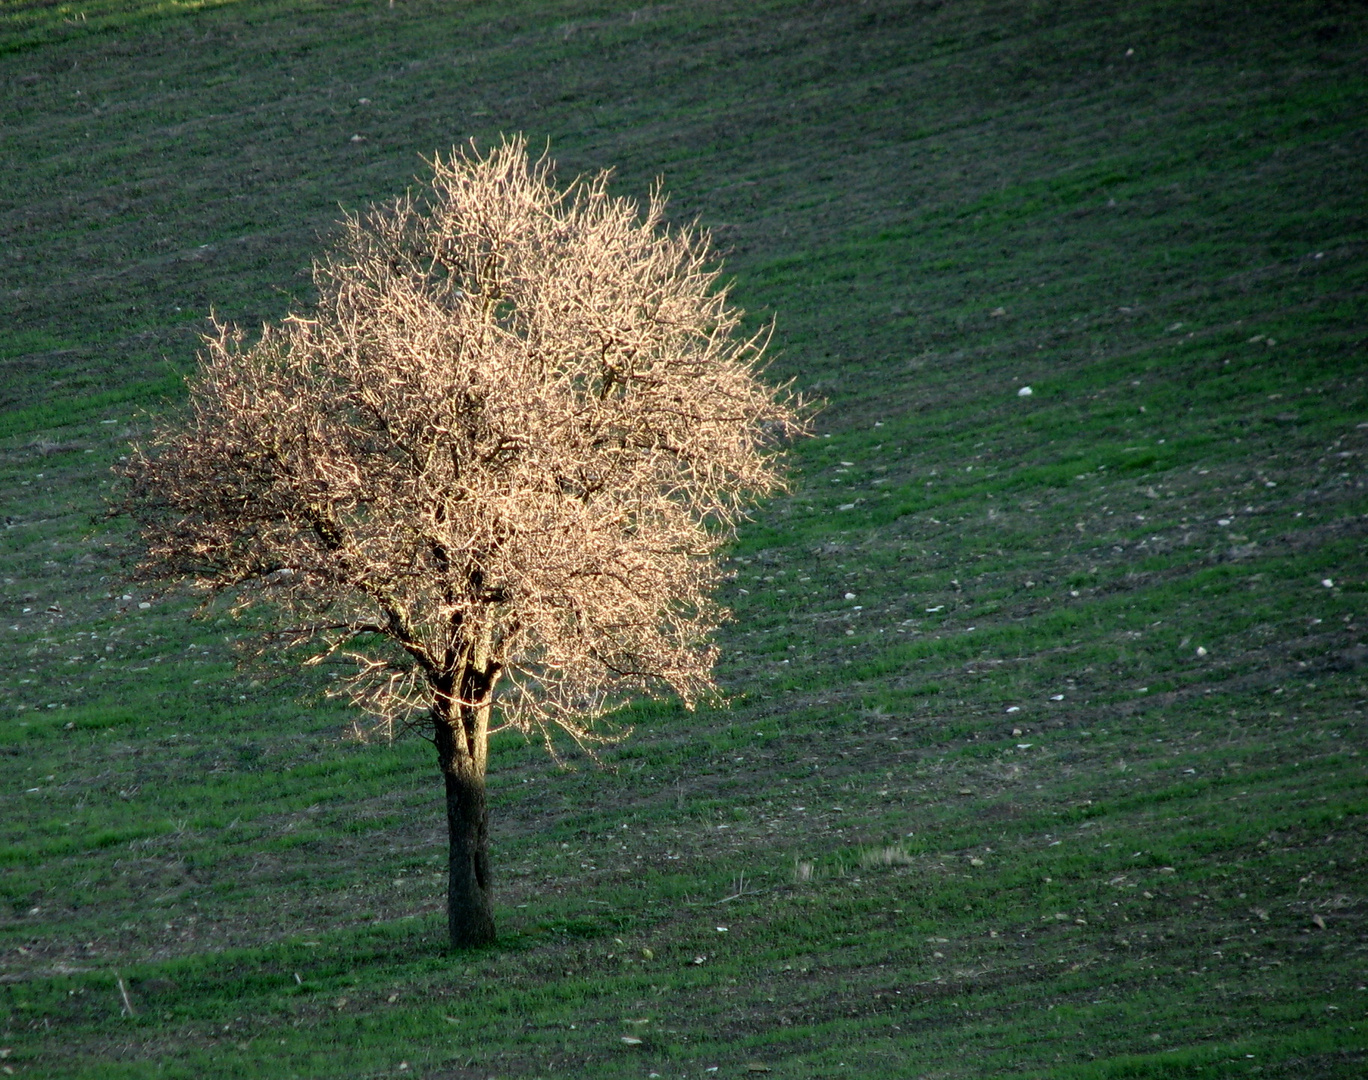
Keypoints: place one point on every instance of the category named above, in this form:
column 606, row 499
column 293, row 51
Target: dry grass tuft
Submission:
column 891, row 855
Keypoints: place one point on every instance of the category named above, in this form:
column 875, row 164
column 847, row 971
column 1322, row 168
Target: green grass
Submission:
column 994, row 815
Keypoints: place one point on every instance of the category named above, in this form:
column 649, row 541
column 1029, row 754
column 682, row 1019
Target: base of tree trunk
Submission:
column 470, row 915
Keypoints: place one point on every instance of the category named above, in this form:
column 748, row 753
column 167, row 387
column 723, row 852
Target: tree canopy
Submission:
column 519, row 423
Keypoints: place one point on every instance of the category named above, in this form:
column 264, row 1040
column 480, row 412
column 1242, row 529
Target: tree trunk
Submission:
column 470, row 915
column 461, row 723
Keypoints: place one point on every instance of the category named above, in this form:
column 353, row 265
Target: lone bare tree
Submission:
column 489, row 474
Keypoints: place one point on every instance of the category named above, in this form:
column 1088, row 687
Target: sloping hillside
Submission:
column 1045, row 754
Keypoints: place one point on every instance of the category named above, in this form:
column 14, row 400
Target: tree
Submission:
column 489, row 474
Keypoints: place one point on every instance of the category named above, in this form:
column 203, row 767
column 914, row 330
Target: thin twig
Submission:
column 741, row 891
column 123, row 993
column 737, row 896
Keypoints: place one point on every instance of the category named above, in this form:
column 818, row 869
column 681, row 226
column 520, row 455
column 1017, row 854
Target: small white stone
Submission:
column 1329, row 583
column 1025, row 391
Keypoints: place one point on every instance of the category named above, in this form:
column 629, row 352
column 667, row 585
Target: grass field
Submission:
column 1045, row 757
